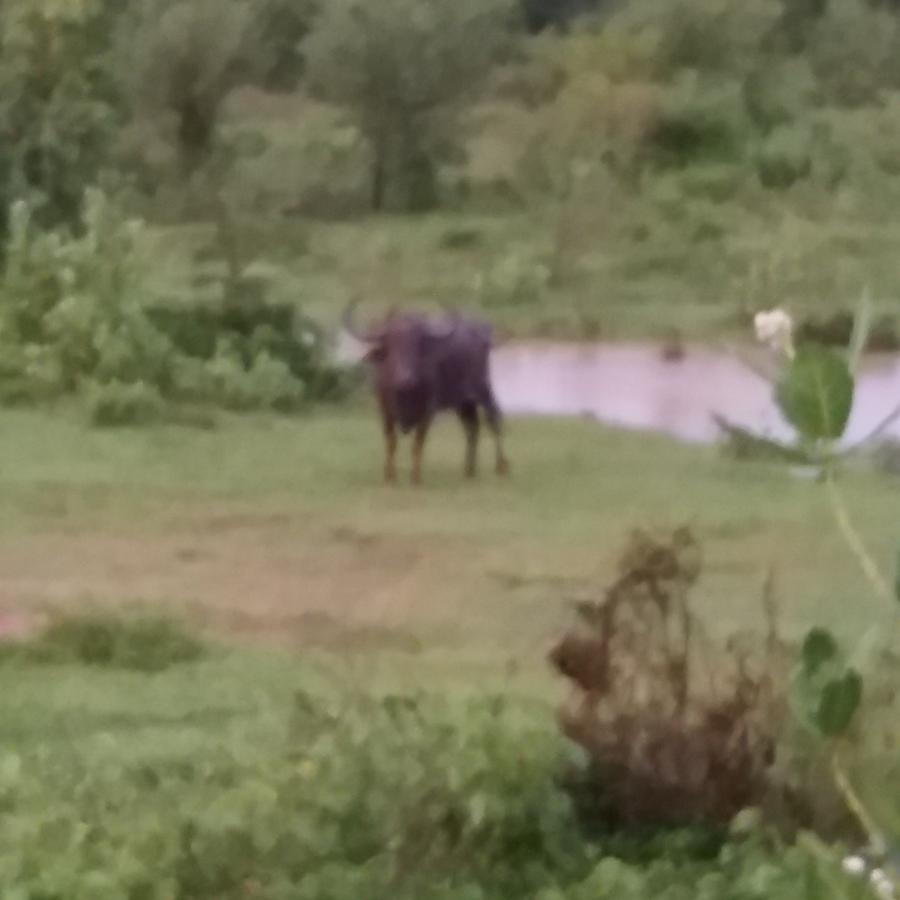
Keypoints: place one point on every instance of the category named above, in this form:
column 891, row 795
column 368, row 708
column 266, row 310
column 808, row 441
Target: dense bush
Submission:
column 513, row 281
column 144, row 643
column 58, row 110
column 784, row 157
column 114, row 403
column 79, row 312
column 409, row 797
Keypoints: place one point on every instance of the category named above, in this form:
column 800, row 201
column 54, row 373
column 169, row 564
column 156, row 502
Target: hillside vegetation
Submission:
column 636, row 168
column 234, row 663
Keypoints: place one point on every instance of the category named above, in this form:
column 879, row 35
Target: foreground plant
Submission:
column 678, row 728
column 82, row 314
column 814, row 392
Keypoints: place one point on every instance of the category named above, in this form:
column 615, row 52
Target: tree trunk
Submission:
column 196, row 131
column 379, row 180
column 420, row 177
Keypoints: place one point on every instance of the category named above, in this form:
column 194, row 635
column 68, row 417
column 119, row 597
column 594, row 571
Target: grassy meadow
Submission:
column 262, row 768
column 280, row 530
column 233, row 662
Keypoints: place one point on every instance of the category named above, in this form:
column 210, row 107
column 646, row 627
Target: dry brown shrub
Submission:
column 678, row 728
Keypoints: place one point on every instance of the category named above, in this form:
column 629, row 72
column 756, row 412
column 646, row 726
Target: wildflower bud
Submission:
column 882, row 885
column 854, row 865
column 775, row 328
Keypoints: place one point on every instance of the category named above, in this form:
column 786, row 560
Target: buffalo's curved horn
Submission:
column 447, row 328
column 349, row 324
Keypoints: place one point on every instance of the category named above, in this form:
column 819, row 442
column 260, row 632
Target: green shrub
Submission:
column 74, row 304
column 699, row 121
column 78, row 311
column 267, row 384
column 854, row 52
column 114, row 404
column 410, row 797
column 462, row 238
column 513, row 281
column 714, row 182
column 779, row 91
column 785, row 157
column 144, row 643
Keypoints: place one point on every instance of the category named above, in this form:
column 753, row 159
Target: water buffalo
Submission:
column 421, row 367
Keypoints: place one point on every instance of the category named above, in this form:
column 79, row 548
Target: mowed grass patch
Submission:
column 281, row 529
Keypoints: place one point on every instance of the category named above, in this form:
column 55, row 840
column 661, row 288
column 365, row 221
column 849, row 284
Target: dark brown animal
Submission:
column 420, row 368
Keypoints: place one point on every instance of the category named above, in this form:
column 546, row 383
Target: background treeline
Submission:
column 179, row 177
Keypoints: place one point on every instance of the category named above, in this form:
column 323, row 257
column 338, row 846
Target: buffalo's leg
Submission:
column 468, row 415
column 390, row 443
column 418, row 446
column 495, row 423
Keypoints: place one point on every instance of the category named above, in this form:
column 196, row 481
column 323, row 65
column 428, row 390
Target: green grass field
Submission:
column 280, row 530
column 358, row 702
column 276, row 538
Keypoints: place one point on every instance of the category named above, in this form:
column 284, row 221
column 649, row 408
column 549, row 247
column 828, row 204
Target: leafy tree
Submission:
column 284, row 26
column 403, row 68
column 541, row 14
column 57, row 111
column 854, row 51
column 180, row 59
column 798, row 18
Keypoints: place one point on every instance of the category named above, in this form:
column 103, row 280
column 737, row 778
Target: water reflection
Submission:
column 633, row 386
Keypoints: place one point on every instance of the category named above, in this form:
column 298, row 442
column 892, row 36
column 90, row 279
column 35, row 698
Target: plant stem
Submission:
column 876, row 579
column 855, row 542
column 855, row 804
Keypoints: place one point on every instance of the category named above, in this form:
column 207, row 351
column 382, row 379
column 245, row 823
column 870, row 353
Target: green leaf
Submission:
column 862, row 323
column 838, row 703
column 819, row 647
column 816, row 393
column 825, row 693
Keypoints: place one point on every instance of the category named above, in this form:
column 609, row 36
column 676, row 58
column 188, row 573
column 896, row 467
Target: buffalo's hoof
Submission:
column 503, row 467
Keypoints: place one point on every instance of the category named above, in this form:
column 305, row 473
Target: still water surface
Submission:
column 634, row 386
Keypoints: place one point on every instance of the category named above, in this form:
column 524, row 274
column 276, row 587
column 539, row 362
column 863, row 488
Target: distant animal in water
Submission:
column 421, row 367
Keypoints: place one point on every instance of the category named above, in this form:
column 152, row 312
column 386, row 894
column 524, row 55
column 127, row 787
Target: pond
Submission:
column 635, row 386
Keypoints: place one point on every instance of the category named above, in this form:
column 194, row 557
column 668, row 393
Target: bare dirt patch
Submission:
column 261, row 576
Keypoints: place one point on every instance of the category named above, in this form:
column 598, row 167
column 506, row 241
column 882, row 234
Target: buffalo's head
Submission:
column 404, row 347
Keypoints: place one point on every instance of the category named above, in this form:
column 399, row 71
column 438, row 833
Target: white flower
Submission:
column 882, row 885
column 854, row 865
column 775, row 328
